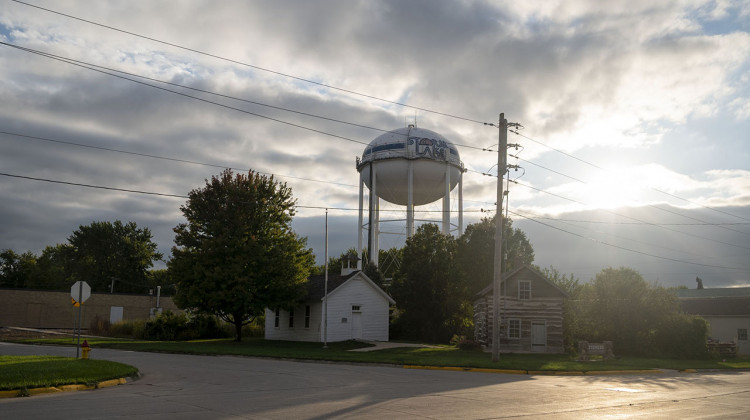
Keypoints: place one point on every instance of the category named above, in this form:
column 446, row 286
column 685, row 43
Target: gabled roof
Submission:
column 316, row 285
column 513, row 273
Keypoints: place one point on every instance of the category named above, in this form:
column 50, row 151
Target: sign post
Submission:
column 80, row 291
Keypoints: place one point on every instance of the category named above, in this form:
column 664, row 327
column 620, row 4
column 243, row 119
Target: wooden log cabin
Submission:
column 531, row 314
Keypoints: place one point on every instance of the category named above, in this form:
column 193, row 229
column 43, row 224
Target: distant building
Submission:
column 727, row 311
column 531, row 313
column 357, row 309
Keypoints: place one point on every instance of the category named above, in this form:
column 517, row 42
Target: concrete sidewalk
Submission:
column 380, row 345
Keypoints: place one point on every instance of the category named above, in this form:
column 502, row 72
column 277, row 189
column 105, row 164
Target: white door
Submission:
column 115, row 314
column 356, row 325
column 538, row 336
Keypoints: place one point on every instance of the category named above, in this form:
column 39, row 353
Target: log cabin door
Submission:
column 538, row 336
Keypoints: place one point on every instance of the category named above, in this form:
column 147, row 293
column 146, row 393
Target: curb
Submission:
column 544, row 372
column 63, row 388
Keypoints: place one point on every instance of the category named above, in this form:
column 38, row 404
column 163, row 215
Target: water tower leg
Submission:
column 375, row 219
column 361, row 220
column 460, row 204
column 410, row 202
column 447, row 201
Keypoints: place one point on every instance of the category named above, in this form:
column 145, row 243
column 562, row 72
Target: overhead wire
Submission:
column 605, row 170
column 631, row 250
column 298, row 78
column 169, row 195
column 182, row 94
column 111, row 72
column 351, row 92
column 193, row 162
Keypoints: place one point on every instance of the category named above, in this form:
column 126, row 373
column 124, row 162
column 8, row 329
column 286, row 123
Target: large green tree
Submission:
column 476, row 252
column 103, row 252
column 16, row 269
column 53, row 268
column 641, row 318
column 237, row 253
column 426, row 287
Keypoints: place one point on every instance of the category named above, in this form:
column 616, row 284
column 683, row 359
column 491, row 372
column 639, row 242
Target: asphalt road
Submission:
column 208, row 387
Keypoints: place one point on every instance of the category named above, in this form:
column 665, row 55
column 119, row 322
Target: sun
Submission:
column 612, row 189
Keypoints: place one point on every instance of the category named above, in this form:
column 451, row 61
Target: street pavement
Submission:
column 225, row 387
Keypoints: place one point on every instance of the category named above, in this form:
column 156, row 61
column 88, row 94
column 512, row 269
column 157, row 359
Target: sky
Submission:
column 633, row 149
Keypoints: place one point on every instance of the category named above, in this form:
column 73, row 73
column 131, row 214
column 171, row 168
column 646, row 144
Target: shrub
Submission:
column 208, row 326
column 166, row 326
column 99, row 326
column 682, row 337
column 464, row 343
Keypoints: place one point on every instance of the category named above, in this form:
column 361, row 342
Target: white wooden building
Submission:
column 357, row 310
column 727, row 311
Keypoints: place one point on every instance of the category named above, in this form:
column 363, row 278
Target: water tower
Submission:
column 408, row 167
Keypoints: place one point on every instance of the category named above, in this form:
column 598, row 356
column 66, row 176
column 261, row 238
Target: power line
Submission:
column 631, row 218
column 193, row 162
column 108, row 70
column 76, row 184
column 302, row 79
column 605, row 170
column 628, row 249
column 181, row 93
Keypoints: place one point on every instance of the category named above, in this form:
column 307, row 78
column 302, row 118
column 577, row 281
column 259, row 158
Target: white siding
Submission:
column 724, row 328
column 298, row 332
column 374, row 307
column 356, row 291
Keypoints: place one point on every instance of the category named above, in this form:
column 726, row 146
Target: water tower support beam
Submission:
column 361, row 221
column 460, row 204
column 410, row 201
column 375, row 221
column 447, row 201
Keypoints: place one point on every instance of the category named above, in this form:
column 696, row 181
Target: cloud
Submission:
column 654, row 91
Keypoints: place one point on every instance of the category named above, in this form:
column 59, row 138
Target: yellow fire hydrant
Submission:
column 85, row 349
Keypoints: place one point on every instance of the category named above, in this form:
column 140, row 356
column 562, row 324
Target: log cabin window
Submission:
column 524, row 290
column 514, row 328
column 291, row 318
column 307, row 316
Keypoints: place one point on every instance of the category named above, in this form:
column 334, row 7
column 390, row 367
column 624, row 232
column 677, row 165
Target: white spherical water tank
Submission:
column 428, row 152
column 411, row 167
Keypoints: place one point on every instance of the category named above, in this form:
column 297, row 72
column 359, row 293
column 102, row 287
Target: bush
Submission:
column 99, row 326
column 167, row 326
column 682, row 337
column 208, row 326
column 464, row 343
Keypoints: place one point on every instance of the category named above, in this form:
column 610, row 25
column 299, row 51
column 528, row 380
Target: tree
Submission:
column 15, row 269
column 426, row 287
column 476, row 252
column 571, row 319
column 53, row 268
column 237, row 253
column 619, row 305
column 105, row 251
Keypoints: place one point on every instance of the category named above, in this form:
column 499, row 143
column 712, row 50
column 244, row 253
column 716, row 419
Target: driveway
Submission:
column 225, row 387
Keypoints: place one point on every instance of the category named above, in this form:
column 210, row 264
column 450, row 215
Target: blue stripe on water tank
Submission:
column 383, row 147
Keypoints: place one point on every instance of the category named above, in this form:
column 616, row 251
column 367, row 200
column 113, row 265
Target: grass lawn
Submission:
column 439, row 356
column 19, row 372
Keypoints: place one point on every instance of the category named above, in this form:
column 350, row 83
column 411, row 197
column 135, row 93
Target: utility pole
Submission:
column 502, row 167
column 502, row 151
